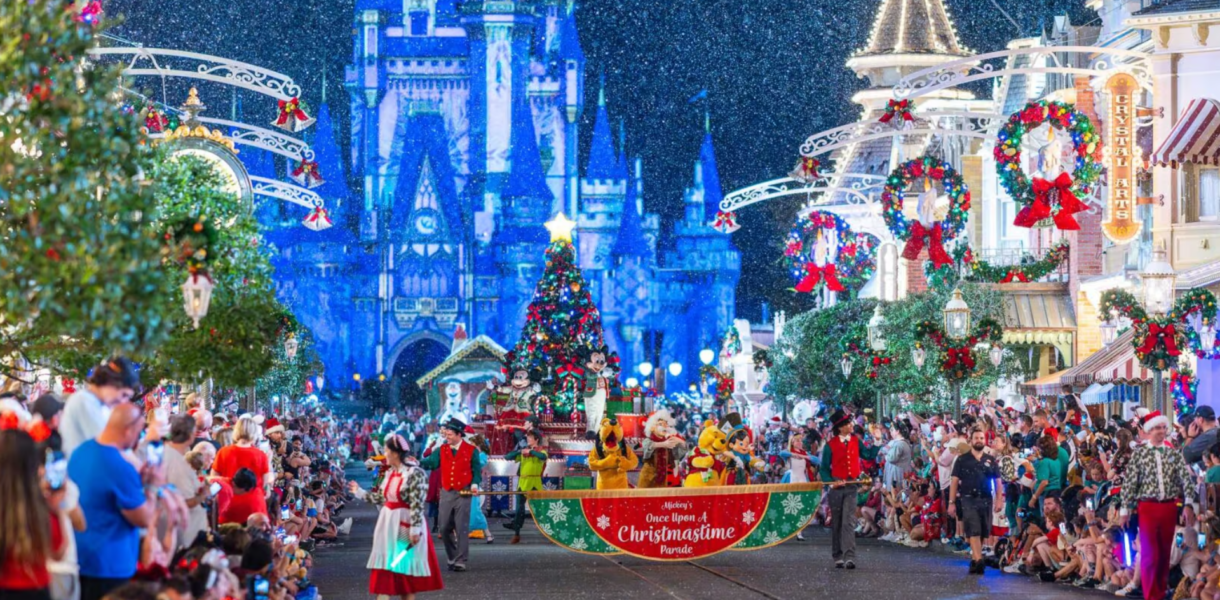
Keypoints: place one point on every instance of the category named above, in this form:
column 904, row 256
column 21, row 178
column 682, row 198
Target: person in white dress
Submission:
column 403, row 561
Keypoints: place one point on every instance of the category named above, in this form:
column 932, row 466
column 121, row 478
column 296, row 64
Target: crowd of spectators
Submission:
column 112, row 493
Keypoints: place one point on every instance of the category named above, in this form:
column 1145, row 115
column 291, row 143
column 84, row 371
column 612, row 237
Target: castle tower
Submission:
column 602, row 191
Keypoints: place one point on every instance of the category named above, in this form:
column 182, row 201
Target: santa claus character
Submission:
column 598, row 379
column 660, row 440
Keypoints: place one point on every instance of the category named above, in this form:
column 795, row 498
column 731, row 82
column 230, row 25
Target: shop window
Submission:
column 1209, row 193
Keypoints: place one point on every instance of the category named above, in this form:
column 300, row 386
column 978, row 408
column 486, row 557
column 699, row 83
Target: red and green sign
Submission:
column 674, row 523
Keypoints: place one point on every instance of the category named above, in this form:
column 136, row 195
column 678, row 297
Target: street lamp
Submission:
column 706, row 356
column 957, row 327
column 876, row 340
column 645, row 369
column 196, row 296
column 290, row 346
column 675, row 368
column 1158, row 278
column 996, row 354
column 845, row 364
column 1109, row 331
column 919, row 355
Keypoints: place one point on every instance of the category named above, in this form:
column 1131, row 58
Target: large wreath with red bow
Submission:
column 917, row 235
column 1158, row 341
column 1196, row 309
column 853, row 263
column 1048, row 202
column 957, row 360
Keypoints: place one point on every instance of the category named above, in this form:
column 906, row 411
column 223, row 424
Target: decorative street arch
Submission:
column 162, row 62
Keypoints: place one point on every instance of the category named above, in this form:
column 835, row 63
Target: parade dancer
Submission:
column 402, row 561
column 456, row 460
column 841, row 467
column 1156, row 481
column 532, row 461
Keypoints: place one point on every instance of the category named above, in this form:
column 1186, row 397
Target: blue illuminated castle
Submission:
column 464, row 132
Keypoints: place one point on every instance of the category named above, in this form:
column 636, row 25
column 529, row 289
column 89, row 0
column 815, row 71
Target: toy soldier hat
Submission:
column 840, row 418
column 455, row 425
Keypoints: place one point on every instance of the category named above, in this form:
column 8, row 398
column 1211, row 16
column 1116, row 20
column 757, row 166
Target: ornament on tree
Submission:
column 307, row 174
column 1184, row 387
column 725, row 222
column 292, row 116
column 900, row 110
column 806, row 169
column 318, row 219
column 90, row 12
column 154, row 120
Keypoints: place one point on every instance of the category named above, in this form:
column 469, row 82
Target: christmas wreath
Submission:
column 1046, row 202
column 191, row 242
column 957, row 361
column 1158, row 341
column 873, row 359
column 1197, row 309
column 1184, row 387
column 915, row 233
column 724, row 383
column 849, row 266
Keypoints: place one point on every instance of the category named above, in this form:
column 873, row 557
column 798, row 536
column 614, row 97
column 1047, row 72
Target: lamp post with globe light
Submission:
column 957, row 327
column 1158, row 279
column 877, row 341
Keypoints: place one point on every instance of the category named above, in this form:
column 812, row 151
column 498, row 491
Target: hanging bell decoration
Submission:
column 292, row 116
column 725, row 222
column 306, row 174
column 318, row 219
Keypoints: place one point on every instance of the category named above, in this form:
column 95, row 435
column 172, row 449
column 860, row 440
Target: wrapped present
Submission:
column 580, row 482
column 617, row 407
column 633, row 424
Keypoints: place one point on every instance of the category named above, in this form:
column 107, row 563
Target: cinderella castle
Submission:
column 465, row 121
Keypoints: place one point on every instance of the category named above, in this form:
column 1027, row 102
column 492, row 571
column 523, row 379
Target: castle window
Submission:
column 418, row 21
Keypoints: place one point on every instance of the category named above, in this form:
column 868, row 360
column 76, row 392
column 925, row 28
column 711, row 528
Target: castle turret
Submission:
column 602, row 191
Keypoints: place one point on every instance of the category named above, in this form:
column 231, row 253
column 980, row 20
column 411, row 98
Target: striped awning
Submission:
column 1046, row 385
column 1195, row 138
column 1115, row 363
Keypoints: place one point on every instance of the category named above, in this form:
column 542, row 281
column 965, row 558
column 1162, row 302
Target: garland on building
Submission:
column 1197, row 309
column 1027, row 269
column 847, row 267
column 1048, row 202
column 915, row 233
column 1158, row 341
column 957, row 360
column 1184, row 387
column 723, row 381
column 192, row 242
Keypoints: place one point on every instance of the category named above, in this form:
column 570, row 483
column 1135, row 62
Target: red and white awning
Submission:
column 1124, row 369
column 1195, row 138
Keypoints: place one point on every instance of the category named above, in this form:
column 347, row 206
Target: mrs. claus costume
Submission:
column 399, row 569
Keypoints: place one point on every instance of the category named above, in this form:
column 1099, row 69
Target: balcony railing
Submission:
column 1008, row 257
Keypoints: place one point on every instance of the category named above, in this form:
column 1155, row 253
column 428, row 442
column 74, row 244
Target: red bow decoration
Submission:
column 91, row 13
column 291, row 109
column 69, row 386
column 1015, row 275
column 155, row 122
column 815, row 274
column 569, row 370
column 807, row 169
column 933, row 238
column 1158, row 333
column 956, row 356
column 895, row 108
column 726, row 222
column 1049, row 195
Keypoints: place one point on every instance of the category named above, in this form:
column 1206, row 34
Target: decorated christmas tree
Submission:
column 561, row 326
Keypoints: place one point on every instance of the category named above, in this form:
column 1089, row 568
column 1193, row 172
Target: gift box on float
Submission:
column 633, row 424
column 502, row 475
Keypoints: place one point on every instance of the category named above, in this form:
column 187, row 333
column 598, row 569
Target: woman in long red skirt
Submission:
column 403, row 561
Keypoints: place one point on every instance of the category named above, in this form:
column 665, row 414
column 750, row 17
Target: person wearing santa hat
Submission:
column 841, row 469
column 1157, row 481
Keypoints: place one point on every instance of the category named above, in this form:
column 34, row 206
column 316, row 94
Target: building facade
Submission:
column 465, row 118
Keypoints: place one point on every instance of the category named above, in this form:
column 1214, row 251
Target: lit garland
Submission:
column 1027, row 270
column 914, row 233
column 1203, row 302
column 1184, row 387
column 957, row 361
column 853, row 264
column 724, row 383
column 1047, row 202
column 1158, row 341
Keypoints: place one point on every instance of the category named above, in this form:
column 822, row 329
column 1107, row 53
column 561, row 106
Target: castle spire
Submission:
column 603, row 164
column 709, row 174
column 631, row 240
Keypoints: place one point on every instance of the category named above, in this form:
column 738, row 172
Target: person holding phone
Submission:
column 30, row 531
column 403, row 561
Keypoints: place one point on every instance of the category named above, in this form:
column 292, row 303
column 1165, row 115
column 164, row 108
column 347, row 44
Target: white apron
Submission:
column 389, row 553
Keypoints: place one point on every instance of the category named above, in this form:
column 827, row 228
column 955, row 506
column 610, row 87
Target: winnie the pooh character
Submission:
column 611, row 458
column 703, row 464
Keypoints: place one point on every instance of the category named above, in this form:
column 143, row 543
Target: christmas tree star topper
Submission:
column 561, row 228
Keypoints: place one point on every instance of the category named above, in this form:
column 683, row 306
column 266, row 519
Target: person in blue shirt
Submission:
column 117, row 500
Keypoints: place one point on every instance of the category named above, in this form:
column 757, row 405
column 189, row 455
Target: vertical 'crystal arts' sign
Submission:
column 1121, row 224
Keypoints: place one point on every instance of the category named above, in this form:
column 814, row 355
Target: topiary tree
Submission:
column 80, row 259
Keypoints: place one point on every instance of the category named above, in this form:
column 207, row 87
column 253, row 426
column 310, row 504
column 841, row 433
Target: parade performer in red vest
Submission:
column 841, row 464
column 456, row 461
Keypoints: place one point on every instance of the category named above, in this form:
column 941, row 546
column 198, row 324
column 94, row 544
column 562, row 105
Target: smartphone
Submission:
column 285, row 513
column 214, row 489
column 155, row 452
column 1063, row 529
column 1177, row 540
column 290, row 540
column 1088, row 502
column 300, row 505
column 258, row 588
column 56, row 470
column 1202, row 541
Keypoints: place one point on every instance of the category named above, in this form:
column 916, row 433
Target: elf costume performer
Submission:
column 403, row 561
column 660, row 441
column 532, row 462
column 841, row 468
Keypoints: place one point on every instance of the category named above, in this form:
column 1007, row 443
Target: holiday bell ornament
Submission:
column 306, row 174
column 318, row 219
column 292, row 116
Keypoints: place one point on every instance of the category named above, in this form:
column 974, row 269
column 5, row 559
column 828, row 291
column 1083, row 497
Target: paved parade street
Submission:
column 539, row 569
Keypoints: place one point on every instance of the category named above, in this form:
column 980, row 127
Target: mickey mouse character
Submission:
column 599, row 378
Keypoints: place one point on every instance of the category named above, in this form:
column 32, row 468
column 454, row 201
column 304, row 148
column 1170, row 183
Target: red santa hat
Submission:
column 1153, row 419
column 274, row 426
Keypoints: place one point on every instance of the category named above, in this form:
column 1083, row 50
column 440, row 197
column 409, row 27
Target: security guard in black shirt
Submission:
column 973, row 474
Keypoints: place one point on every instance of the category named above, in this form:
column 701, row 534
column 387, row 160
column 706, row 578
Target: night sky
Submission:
column 773, row 70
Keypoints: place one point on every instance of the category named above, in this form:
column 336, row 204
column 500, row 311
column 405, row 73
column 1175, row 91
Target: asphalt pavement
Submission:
column 538, row 569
